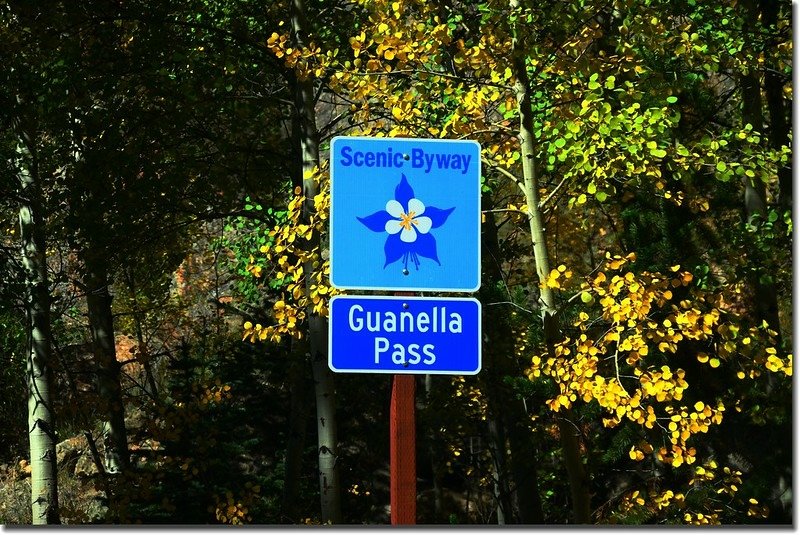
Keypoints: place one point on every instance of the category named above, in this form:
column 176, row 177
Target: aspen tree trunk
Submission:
column 41, row 420
column 508, row 426
column 569, row 433
column 101, row 325
column 497, row 445
column 491, row 376
column 138, row 320
column 330, row 499
column 773, row 87
column 434, row 444
column 766, row 294
column 297, row 372
column 296, row 441
column 101, row 322
column 755, row 192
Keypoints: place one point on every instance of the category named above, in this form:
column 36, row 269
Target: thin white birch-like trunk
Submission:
column 576, row 471
column 330, row 493
column 41, row 420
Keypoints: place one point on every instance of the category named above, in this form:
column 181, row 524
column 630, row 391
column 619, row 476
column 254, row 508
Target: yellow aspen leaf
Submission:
column 616, row 263
column 552, row 279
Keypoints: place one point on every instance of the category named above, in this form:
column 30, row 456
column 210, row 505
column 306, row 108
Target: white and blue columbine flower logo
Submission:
column 408, row 223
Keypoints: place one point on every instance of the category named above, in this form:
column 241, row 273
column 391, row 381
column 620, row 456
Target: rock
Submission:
column 85, row 466
column 69, row 451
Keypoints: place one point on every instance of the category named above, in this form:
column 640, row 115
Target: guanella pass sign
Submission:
column 405, row 215
column 416, row 335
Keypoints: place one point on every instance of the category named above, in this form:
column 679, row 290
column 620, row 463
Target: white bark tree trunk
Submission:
column 330, row 494
column 41, row 420
column 576, row 471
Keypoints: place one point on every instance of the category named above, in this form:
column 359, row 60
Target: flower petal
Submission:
column 394, row 249
column 403, row 192
column 425, row 246
column 416, row 206
column 437, row 215
column 376, row 221
column 423, row 224
column 394, row 208
column 393, row 226
column 408, row 235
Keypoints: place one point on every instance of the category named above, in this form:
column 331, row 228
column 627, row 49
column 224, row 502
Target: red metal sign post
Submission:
column 402, row 451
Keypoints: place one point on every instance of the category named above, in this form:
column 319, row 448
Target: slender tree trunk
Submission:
column 576, row 471
column 773, row 86
column 517, row 477
column 330, row 494
column 435, row 457
column 755, row 193
column 41, row 420
column 101, row 325
column 491, row 376
column 298, row 369
column 101, row 320
column 755, row 190
column 501, row 492
column 330, row 501
column 296, row 442
column 138, row 320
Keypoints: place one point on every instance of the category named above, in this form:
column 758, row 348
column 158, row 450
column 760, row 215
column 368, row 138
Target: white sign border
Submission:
column 403, row 288
column 406, row 298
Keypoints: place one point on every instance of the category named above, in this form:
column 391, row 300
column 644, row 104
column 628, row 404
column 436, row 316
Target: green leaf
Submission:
column 721, row 167
column 560, row 142
column 672, row 99
column 586, row 297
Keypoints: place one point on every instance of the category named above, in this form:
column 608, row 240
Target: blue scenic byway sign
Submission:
column 405, row 214
column 415, row 335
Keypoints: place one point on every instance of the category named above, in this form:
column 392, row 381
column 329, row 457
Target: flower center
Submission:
column 406, row 220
